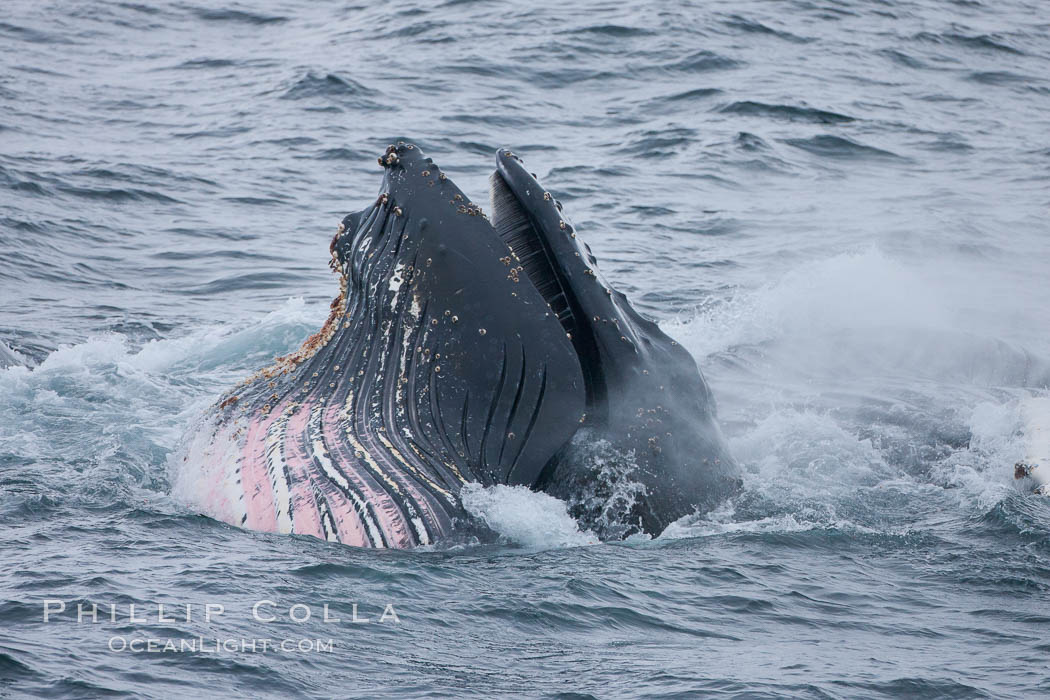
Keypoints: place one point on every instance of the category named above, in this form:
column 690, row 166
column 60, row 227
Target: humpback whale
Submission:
column 462, row 347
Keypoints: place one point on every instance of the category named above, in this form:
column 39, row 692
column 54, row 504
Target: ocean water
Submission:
column 839, row 206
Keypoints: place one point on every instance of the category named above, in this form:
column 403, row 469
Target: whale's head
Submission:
column 507, row 358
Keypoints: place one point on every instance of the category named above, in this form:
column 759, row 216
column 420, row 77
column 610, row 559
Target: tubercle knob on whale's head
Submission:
column 408, row 173
column 390, row 157
column 395, row 153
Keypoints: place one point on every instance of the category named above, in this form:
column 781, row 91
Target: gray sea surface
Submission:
column 839, row 206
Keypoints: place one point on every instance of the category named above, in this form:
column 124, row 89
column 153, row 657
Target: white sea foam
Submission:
column 863, row 373
column 106, row 391
column 870, row 314
column 524, row 516
column 981, row 475
column 865, row 289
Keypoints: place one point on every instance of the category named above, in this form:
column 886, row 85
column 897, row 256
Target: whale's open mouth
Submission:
column 487, row 345
column 461, row 350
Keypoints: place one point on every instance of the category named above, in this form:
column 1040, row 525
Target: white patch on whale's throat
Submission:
column 279, row 474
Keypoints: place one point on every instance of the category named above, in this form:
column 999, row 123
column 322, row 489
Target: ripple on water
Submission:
column 838, row 208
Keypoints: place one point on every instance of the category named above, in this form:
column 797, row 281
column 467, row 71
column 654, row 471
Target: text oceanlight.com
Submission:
column 200, row 645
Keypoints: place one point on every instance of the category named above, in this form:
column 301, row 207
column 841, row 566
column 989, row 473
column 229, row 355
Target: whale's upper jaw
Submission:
column 645, row 393
column 618, row 348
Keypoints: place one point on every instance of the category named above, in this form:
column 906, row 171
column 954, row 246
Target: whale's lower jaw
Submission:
column 308, row 468
column 322, row 443
column 326, row 442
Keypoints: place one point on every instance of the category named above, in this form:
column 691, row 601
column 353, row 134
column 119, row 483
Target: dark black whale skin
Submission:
column 611, row 378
